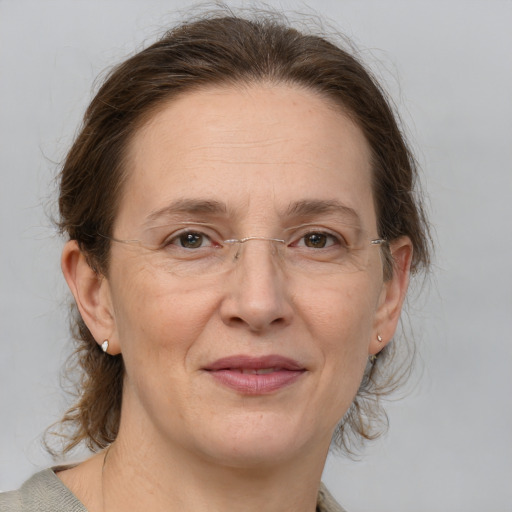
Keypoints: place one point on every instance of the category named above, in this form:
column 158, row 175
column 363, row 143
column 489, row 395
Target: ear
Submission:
column 92, row 296
column 392, row 295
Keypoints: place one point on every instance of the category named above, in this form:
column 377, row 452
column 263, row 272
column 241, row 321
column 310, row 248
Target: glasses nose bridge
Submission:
column 238, row 243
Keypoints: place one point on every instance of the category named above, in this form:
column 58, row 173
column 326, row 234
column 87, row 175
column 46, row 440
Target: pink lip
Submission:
column 230, row 371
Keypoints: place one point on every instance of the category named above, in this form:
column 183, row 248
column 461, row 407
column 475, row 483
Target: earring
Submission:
column 372, row 358
column 104, row 346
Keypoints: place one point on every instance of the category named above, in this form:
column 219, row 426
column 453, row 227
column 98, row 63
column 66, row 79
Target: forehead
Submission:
column 253, row 148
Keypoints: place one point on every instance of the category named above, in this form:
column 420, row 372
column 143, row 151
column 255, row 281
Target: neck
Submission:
column 146, row 476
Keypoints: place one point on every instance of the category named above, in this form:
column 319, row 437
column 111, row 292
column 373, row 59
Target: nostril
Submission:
column 236, row 320
column 258, row 323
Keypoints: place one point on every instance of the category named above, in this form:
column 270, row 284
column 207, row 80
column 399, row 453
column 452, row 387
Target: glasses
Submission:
column 192, row 252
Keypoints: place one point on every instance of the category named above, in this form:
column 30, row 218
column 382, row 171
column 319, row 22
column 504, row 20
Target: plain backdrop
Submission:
column 448, row 66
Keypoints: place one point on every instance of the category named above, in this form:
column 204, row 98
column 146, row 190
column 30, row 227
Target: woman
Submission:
column 242, row 225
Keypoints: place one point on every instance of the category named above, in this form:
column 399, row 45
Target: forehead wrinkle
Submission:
column 256, row 162
column 252, row 152
column 254, row 143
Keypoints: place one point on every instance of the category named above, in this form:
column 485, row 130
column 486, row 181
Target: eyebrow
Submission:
column 187, row 206
column 304, row 208
column 313, row 207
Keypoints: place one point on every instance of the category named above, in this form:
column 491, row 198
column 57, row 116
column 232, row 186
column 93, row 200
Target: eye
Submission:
column 318, row 240
column 190, row 240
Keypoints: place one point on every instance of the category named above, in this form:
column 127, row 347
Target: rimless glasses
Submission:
column 198, row 250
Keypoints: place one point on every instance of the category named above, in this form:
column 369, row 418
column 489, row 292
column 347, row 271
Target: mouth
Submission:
column 255, row 375
column 248, row 371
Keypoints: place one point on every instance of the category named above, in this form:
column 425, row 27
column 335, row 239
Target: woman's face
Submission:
column 260, row 360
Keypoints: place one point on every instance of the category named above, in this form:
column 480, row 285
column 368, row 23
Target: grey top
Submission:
column 45, row 492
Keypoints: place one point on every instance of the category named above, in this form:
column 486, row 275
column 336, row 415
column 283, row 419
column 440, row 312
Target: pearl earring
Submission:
column 104, row 346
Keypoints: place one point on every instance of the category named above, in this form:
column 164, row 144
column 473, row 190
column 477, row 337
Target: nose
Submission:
column 257, row 291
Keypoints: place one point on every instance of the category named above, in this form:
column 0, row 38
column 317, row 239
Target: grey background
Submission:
column 448, row 66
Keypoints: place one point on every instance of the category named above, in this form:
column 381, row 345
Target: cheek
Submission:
column 340, row 312
column 341, row 319
column 159, row 328
column 157, row 318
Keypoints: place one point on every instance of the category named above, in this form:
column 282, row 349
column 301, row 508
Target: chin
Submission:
column 262, row 442
column 255, row 454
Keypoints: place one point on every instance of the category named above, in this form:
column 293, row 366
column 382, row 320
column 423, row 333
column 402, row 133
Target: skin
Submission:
column 187, row 442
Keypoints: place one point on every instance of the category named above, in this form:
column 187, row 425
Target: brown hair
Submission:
column 222, row 49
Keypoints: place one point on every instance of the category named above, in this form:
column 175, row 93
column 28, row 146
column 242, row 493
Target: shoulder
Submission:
column 43, row 492
column 326, row 502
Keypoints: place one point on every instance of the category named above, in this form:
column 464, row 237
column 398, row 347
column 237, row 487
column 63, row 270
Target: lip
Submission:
column 240, row 373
